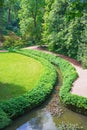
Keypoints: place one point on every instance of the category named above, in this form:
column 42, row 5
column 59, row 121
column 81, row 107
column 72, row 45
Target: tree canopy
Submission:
column 61, row 24
column 31, row 14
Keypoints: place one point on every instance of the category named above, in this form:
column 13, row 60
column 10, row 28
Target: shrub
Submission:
column 12, row 41
column 4, row 120
column 74, row 102
column 18, row 105
column 82, row 55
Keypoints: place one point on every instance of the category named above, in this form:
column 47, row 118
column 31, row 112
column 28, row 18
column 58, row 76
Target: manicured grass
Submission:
column 18, row 74
column 16, row 106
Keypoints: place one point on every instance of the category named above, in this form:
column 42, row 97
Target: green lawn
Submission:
column 18, row 74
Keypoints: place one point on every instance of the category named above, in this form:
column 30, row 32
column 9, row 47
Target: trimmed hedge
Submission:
column 74, row 102
column 18, row 105
column 4, row 120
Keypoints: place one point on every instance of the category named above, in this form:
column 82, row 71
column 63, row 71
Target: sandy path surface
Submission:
column 3, row 51
column 80, row 85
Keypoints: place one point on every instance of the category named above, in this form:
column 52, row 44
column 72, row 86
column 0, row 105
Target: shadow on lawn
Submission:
column 9, row 90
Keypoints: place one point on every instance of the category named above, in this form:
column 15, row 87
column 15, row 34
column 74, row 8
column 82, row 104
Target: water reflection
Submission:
column 43, row 121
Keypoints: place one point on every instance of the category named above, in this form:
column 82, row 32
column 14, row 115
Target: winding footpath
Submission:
column 80, row 85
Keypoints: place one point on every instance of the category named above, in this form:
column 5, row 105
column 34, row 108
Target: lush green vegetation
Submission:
column 31, row 19
column 18, row 74
column 64, row 28
column 4, row 120
column 74, row 102
column 18, row 105
column 60, row 24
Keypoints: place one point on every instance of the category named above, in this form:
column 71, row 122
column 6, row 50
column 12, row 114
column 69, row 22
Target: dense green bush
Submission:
column 75, row 102
column 4, row 120
column 65, row 27
column 12, row 41
column 18, row 105
column 82, row 55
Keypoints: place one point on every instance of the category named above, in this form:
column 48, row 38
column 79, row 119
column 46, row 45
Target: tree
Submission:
column 73, row 37
column 54, row 25
column 30, row 15
column 11, row 13
column 82, row 49
column 76, row 9
column 2, row 20
column 45, row 25
column 61, row 34
column 1, row 3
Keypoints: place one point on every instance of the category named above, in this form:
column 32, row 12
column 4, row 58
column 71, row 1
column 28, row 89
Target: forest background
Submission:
column 59, row 24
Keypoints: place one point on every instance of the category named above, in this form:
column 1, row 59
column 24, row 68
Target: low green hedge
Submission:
column 75, row 102
column 4, row 120
column 18, row 105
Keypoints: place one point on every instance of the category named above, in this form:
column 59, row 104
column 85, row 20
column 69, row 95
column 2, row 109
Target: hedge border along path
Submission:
column 14, row 107
column 17, row 106
column 72, row 101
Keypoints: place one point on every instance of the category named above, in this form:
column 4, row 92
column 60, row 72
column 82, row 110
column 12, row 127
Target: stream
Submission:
column 49, row 115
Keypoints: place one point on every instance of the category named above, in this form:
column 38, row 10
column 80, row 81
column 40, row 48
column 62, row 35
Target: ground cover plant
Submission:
column 18, row 105
column 18, row 74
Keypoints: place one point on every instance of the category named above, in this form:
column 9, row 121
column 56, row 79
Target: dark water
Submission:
column 42, row 118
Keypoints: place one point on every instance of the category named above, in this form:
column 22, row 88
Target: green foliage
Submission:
column 4, row 120
column 1, row 3
column 54, row 32
column 58, row 23
column 11, row 8
column 18, row 105
column 82, row 50
column 48, row 4
column 2, row 23
column 8, row 18
column 74, row 102
column 73, row 37
column 13, row 41
column 82, row 55
column 76, row 9
column 64, row 25
column 30, row 16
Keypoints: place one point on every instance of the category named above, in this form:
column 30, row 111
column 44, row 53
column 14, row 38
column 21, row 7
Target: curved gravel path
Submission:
column 80, row 85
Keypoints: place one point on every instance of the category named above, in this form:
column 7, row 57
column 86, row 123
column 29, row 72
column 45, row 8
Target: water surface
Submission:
column 42, row 118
